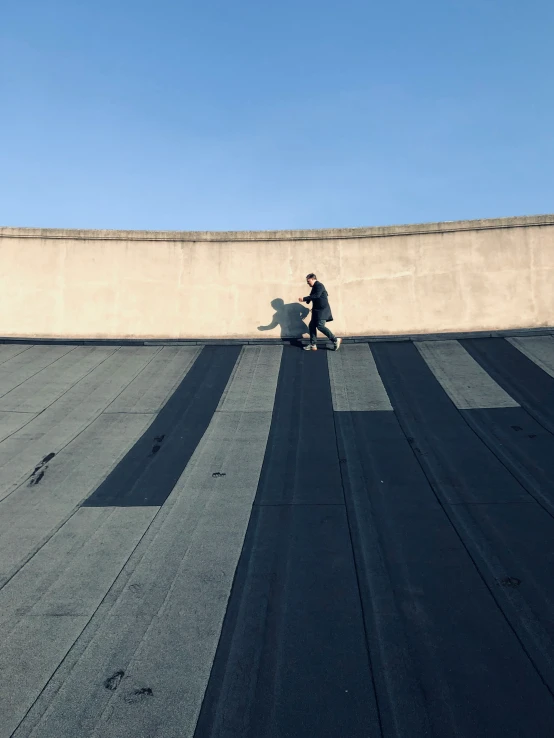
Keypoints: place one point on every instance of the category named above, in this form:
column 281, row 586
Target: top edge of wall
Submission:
column 291, row 235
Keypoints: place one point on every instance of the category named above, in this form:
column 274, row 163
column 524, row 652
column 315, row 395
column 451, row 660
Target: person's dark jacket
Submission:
column 321, row 310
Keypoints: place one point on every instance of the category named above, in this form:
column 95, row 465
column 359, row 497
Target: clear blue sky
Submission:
column 242, row 114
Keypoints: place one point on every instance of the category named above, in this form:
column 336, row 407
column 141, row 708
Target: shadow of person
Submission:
column 290, row 317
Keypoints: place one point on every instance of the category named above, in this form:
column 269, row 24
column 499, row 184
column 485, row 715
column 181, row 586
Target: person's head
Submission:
column 311, row 279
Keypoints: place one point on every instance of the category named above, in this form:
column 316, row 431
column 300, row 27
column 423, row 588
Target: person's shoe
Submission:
column 310, row 347
column 338, row 343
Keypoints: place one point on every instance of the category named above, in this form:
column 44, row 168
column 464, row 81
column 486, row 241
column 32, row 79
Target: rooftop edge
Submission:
column 285, row 235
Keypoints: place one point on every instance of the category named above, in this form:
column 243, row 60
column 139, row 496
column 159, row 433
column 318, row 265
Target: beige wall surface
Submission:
column 432, row 278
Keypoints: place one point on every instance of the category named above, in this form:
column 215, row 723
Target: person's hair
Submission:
column 311, row 276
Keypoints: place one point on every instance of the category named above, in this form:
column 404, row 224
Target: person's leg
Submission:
column 331, row 336
column 326, row 332
column 312, row 327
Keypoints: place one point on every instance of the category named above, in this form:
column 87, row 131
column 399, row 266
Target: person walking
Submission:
column 321, row 313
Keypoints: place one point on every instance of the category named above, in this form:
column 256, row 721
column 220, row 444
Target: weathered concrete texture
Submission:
column 65, row 431
column 356, row 544
column 162, row 629
column 485, row 275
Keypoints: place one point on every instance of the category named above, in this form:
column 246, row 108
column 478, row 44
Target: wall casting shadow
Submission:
column 290, row 317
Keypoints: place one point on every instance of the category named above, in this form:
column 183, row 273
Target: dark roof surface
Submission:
column 262, row 542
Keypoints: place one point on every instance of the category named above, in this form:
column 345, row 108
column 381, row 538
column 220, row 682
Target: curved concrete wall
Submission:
column 445, row 277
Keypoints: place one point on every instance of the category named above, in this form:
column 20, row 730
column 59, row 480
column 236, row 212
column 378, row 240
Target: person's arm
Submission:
column 274, row 323
column 317, row 291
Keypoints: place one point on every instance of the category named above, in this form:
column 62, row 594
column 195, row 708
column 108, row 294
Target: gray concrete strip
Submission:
column 36, row 638
column 29, row 517
column 148, row 392
column 50, row 638
column 10, row 423
column 25, row 589
column 160, row 624
column 26, row 364
column 540, row 349
column 355, row 381
column 8, row 351
column 57, row 426
column 82, row 550
column 45, row 387
column 245, row 391
column 466, row 383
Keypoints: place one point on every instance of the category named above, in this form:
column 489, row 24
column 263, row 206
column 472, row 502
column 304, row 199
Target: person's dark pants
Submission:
column 319, row 325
